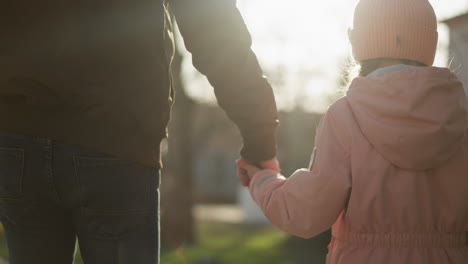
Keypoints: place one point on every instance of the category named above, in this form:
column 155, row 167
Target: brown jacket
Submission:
column 96, row 73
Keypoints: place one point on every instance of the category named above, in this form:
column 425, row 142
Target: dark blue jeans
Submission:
column 53, row 193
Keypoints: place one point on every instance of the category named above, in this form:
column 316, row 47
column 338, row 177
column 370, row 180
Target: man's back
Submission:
column 87, row 72
column 97, row 73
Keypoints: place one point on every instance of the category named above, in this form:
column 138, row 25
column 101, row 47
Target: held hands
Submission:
column 247, row 169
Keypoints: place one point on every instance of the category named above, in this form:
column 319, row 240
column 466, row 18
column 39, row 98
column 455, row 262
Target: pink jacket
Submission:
column 390, row 174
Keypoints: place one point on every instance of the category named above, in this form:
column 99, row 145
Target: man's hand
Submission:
column 272, row 164
column 246, row 169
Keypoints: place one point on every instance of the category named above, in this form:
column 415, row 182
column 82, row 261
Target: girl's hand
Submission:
column 247, row 167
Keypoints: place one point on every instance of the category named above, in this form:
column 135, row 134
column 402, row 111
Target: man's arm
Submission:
column 216, row 35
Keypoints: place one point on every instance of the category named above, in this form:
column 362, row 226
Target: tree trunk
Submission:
column 176, row 189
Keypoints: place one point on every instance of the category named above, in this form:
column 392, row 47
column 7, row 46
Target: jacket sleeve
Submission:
column 215, row 33
column 308, row 202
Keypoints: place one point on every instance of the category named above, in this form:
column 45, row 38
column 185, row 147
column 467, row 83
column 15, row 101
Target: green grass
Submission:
column 78, row 259
column 3, row 246
column 232, row 244
column 221, row 244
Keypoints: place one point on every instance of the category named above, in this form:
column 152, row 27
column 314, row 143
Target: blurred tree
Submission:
column 177, row 186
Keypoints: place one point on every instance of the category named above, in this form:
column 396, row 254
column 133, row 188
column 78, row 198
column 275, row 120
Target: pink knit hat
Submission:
column 398, row 29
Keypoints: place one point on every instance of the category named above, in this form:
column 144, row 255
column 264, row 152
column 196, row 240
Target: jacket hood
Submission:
column 416, row 119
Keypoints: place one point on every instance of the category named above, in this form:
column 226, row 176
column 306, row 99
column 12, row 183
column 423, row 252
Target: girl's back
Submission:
column 406, row 132
column 391, row 167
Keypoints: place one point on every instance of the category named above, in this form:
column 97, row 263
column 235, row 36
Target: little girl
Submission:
column 390, row 172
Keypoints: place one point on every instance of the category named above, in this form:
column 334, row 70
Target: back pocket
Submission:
column 11, row 172
column 110, row 185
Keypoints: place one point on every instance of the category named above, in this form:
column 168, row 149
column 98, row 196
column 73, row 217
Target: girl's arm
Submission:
column 310, row 201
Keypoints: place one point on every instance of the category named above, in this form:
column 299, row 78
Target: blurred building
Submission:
column 217, row 143
column 458, row 49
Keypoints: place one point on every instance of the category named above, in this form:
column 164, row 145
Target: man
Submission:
column 85, row 98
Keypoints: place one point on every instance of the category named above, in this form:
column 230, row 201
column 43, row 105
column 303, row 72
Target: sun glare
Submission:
column 302, row 46
column 307, row 39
